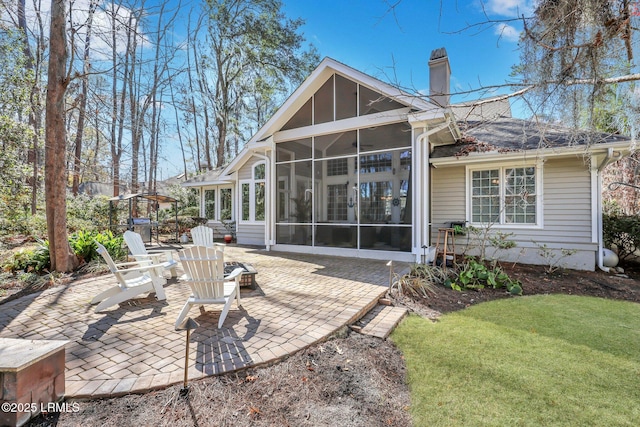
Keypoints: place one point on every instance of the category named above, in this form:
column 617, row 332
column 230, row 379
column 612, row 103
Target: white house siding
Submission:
column 448, row 201
column 250, row 234
column 566, row 222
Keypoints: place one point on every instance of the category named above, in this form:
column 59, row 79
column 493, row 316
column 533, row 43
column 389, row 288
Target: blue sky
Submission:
column 392, row 40
column 394, row 44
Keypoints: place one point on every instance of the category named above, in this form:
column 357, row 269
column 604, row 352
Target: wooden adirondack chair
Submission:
column 134, row 278
column 203, row 236
column 204, row 268
column 158, row 257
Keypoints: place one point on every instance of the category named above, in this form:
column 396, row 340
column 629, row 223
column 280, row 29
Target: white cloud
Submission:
column 510, row 8
column 507, row 32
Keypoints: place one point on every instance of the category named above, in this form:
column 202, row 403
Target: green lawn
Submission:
column 552, row 360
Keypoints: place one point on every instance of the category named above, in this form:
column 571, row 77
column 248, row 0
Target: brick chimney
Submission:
column 439, row 77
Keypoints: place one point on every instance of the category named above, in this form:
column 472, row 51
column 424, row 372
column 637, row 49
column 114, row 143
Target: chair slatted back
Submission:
column 202, row 236
column 107, row 258
column 134, row 243
column 205, row 268
column 122, row 279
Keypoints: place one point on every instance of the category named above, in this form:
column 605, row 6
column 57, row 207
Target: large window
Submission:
column 504, row 195
column 348, row 189
column 253, row 194
column 217, row 204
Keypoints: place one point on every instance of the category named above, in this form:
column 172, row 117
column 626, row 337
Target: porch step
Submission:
column 380, row 321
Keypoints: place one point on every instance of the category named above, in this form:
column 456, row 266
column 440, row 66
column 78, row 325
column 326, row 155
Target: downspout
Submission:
column 422, row 184
column 267, row 198
column 420, row 179
column 609, row 158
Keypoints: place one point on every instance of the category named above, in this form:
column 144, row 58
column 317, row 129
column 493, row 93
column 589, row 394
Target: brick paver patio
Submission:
column 300, row 299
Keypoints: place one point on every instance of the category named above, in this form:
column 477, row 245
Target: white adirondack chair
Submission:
column 134, row 278
column 203, row 236
column 158, row 257
column 204, row 268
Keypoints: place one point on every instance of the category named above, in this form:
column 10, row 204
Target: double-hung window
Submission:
column 505, row 196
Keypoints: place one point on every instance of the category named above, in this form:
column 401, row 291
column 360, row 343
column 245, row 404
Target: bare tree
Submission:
column 82, row 108
column 248, row 37
column 34, row 65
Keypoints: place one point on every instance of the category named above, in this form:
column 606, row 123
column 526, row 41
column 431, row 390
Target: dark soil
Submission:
column 351, row 380
column 535, row 280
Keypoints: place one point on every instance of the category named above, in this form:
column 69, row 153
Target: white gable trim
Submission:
column 377, row 119
column 326, row 68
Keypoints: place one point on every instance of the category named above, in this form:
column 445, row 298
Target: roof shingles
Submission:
column 509, row 134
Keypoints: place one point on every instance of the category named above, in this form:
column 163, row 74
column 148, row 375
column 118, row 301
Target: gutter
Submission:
column 423, row 150
column 267, row 196
column 610, row 157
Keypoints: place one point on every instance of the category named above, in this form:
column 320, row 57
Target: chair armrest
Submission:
column 143, row 263
column 159, row 252
column 152, row 258
column 152, row 269
column 235, row 273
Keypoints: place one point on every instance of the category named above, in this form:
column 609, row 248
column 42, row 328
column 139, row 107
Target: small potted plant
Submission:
column 459, row 228
column 230, row 226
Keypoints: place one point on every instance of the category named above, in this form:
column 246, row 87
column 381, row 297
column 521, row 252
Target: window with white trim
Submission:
column 253, row 194
column 504, row 195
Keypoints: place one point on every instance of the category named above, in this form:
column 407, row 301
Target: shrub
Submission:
column 477, row 275
column 82, row 243
column 90, row 213
column 621, row 232
column 420, row 280
column 30, row 260
column 114, row 244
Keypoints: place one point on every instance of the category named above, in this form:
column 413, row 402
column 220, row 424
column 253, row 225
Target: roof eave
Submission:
column 494, row 156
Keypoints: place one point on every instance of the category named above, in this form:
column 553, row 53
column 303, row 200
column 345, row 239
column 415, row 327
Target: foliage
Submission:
column 30, row 260
column 621, row 232
column 459, row 230
column 621, row 181
column 477, row 275
column 420, row 281
column 89, row 212
column 14, row 172
column 484, row 238
column 187, row 199
column 15, row 77
column 186, row 223
column 230, row 226
column 82, row 243
column 113, row 243
column 553, row 258
column 254, row 50
column 568, row 48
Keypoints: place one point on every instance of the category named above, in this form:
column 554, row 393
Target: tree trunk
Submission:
column 62, row 257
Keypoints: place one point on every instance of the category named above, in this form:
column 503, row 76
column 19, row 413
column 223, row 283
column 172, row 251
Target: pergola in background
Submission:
column 141, row 223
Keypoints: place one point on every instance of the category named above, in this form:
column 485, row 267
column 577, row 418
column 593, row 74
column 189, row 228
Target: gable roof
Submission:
column 214, row 176
column 506, row 134
column 318, row 77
